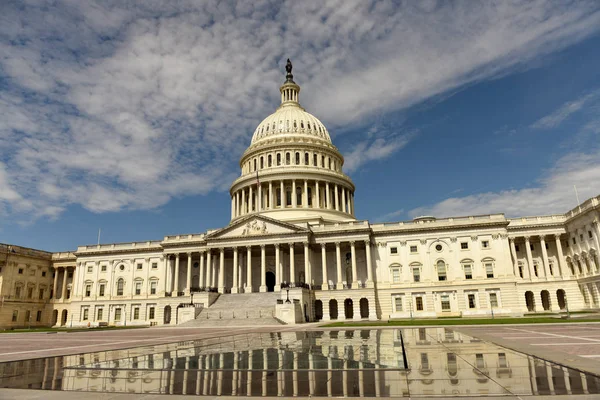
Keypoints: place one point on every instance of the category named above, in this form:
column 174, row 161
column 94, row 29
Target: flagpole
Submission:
column 577, row 197
column 99, row 229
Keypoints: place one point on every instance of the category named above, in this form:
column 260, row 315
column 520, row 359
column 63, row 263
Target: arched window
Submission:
column 278, row 159
column 287, row 159
column 441, row 270
column 306, row 159
column 297, row 158
column 120, row 286
column 309, row 197
column 299, row 196
column 322, row 161
column 278, row 198
column 288, row 196
column 315, row 159
column 334, row 166
column 255, row 164
column 308, row 124
column 329, row 163
column 302, row 124
column 269, row 159
column 262, row 164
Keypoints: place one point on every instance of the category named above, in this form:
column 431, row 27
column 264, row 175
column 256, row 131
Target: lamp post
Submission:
column 287, row 301
column 567, row 307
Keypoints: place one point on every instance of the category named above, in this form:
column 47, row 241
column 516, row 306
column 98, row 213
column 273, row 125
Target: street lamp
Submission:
column 287, row 301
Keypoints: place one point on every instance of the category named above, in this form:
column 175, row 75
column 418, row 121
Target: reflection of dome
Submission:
column 292, row 171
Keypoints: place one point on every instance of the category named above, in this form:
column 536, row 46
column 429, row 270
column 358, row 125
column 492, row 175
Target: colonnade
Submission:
column 212, row 271
column 65, row 273
column 545, row 271
column 295, row 193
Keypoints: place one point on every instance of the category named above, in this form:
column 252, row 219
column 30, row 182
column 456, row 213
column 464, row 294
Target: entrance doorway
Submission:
column 560, row 295
column 318, row 310
column 348, row 309
column 270, row 279
column 167, row 315
column 529, row 301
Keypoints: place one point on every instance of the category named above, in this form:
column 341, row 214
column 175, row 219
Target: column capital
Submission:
column 221, row 249
column 235, row 248
column 527, row 238
column 557, row 236
column 189, row 253
column 352, row 243
column 323, row 245
column 305, row 243
column 147, row 259
column 248, row 248
column 202, row 251
column 291, row 245
column 542, row 238
column 262, row 246
column 276, row 245
column 511, row 239
column 337, row 244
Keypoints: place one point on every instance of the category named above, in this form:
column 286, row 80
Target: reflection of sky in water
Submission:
column 329, row 363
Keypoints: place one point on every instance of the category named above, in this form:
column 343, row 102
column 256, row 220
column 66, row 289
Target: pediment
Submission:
column 256, row 225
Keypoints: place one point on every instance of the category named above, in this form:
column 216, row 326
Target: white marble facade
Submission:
column 293, row 221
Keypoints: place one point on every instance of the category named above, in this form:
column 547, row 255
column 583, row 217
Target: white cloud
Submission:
column 120, row 107
column 553, row 194
column 554, row 119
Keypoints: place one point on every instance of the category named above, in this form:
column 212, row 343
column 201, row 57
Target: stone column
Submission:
column 337, row 198
column 165, row 282
column 354, row 269
column 236, row 266
column 344, row 200
column 564, row 271
column 529, row 258
column 64, row 286
column 259, row 199
column 55, row 287
column 190, row 265
column 513, row 253
column 133, row 267
column 243, row 201
column 545, row 257
column 250, row 199
column 270, row 196
column 325, row 285
column 306, row 263
column 338, row 262
column 176, row 284
column 209, row 268
column 327, row 196
column 232, row 207
column 249, row 374
column 294, row 198
column 295, row 375
column 305, row 205
column 282, row 195
column 221, row 270
column 248, row 288
column 263, row 269
column 292, row 266
column 317, row 196
column 201, row 280
column 370, row 282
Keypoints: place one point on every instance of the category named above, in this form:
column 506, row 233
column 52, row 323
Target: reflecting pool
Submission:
column 350, row 363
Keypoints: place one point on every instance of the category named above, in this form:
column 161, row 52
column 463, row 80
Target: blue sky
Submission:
column 132, row 119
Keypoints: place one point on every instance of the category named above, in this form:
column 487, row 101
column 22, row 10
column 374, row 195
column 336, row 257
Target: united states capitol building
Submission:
column 294, row 251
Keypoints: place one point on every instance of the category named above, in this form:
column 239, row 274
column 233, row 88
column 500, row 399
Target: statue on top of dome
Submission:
column 288, row 68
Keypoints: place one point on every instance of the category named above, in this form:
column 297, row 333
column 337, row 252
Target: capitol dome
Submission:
column 292, row 171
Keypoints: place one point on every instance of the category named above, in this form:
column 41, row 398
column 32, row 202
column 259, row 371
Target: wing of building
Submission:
column 295, row 252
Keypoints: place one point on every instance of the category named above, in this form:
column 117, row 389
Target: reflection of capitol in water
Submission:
column 334, row 363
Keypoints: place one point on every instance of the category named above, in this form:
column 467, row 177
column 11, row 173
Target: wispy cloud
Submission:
column 554, row 119
column 553, row 193
column 115, row 106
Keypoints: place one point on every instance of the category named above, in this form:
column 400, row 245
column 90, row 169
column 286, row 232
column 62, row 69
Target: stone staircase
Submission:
column 239, row 309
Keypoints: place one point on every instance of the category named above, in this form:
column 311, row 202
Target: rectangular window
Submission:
column 531, row 247
column 99, row 314
column 581, row 237
column 445, row 301
column 30, row 293
column 398, row 303
column 574, row 240
column 88, row 290
column 516, row 247
column 441, row 267
column 493, row 300
column 136, row 313
column 535, row 269
column 396, row 275
column 468, row 271
column 502, row 360
column 479, row 362
column 41, row 294
column 417, row 274
column 419, row 303
column 153, row 287
column 151, row 313
column 18, row 292
column 90, row 268
column 413, row 249
column 117, row 314
column 15, row 316
column 27, row 316
column 489, row 270
column 43, row 273
column 424, row 361
column 20, row 271
column 590, row 235
column 38, row 317
column 138, row 288
column 520, row 270
column 140, row 266
column 546, row 245
column 422, row 334
column 464, row 245
column 154, row 265
column 472, row 303
column 103, row 268
column 101, row 290
column 393, row 250
column 85, row 314
column 485, row 244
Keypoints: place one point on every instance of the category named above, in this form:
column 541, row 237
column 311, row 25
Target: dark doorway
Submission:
column 333, row 309
column 348, row 308
column 529, row 301
column 54, row 317
column 318, row 310
column 167, row 316
column 560, row 295
column 270, row 279
column 63, row 319
column 545, row 300
column 364, row 308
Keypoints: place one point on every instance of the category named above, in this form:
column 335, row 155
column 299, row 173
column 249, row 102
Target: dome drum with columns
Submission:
column 292, row 171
